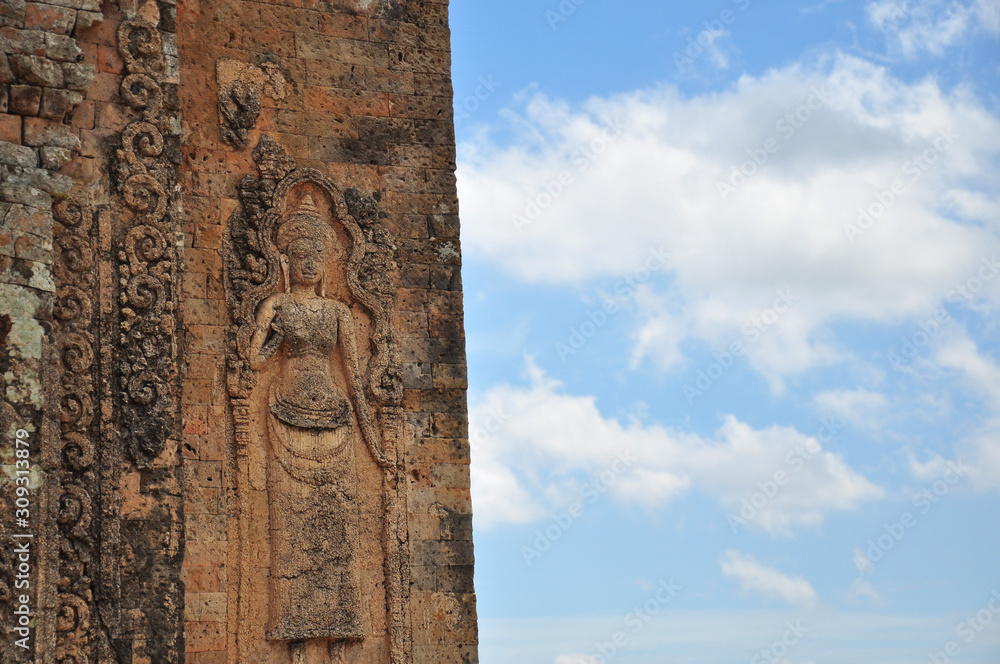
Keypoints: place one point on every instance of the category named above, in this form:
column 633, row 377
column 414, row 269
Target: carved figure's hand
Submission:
column 271, row 346
column 275, row 335
column 277, row 322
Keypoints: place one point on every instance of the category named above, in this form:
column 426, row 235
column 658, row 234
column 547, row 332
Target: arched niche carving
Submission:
column 316, row 395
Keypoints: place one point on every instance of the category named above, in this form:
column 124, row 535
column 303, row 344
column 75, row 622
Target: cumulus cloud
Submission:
column 751, row 190
column 754, row 577
column 537, row 449
column 932, row 26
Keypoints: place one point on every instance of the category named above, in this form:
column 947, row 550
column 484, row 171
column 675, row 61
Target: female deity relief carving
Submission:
column 321, row 561
column 311, row 475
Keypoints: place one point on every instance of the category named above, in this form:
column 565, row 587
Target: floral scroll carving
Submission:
column 146, row 252
column 72, row 508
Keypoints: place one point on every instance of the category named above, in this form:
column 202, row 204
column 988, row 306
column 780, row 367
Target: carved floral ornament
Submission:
column 73, row 509
column 147, row 259
column 144, row 201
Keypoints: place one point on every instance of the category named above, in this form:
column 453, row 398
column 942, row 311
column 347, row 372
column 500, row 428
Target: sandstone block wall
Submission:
column 114, row 338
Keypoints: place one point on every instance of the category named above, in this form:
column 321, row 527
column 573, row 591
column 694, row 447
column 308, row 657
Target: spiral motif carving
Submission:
column 75, row 253
column 145, row 292
column 73, row 304
column 77, row 353
column 147, row 297
column 140, row 46
column 71, row 215
column 73, row 313
column 142, row 92
column 144, row 387
column 143, row 221
column 74, row 510
column 75, row 409
column 145, row 195
column 72, row 629
column 78, row 451
column 150, row 140
column 144, row 244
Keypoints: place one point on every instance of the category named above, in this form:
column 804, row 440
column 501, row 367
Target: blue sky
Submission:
column 731, row 281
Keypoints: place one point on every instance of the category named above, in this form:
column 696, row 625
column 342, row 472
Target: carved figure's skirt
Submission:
column 309, row 399
column 315, row 536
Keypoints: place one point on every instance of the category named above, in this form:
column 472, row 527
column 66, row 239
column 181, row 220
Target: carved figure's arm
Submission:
column 267, row 337
column 356, row 385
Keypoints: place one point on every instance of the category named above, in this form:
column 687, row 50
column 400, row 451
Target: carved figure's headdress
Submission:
column 304, row 223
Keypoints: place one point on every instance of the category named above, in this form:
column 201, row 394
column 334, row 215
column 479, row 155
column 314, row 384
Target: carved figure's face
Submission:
column 306, row 261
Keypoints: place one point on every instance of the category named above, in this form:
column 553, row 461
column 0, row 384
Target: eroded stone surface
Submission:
column 123, row 192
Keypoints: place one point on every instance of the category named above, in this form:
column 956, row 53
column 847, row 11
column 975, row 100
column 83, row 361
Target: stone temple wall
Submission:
column 231, row 335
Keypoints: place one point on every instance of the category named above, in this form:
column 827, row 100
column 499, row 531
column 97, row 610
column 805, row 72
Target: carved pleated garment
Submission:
column 312, row 485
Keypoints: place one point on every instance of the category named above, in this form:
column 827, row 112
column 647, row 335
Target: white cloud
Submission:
column 979, row 453
column 861, row 408
column 754, row 577
column 551, row 447
column 932, row 26
column 656, row 183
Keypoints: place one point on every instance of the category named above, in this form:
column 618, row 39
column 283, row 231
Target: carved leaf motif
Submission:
column 239, row 109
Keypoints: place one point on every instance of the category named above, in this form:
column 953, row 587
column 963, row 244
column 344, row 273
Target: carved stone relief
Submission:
column 147, row 255
column 74, row 551
column 316, row 394
column 241, row 87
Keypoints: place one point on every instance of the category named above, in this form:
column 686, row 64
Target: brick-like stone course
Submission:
column 36, row 44
column 369, row 105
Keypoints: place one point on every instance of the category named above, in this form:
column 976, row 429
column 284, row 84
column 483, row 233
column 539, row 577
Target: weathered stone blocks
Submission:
column 368, row 105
